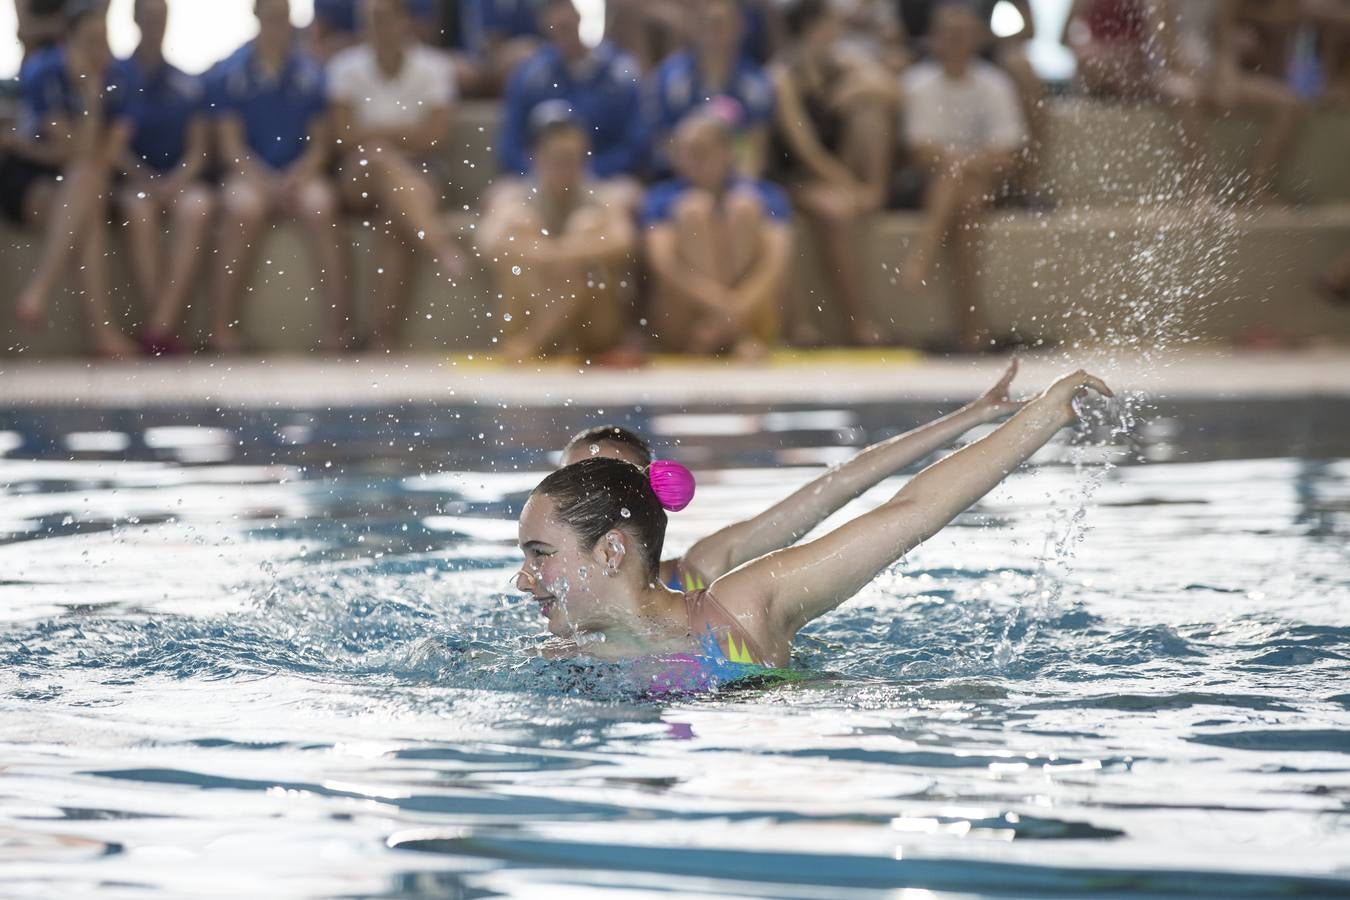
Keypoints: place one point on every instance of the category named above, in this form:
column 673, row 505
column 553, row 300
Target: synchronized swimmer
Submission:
column 592, row 534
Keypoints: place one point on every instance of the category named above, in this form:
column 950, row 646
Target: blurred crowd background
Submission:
column 658, row 163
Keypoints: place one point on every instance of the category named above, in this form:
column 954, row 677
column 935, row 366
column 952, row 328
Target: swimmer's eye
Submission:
column 537, row 552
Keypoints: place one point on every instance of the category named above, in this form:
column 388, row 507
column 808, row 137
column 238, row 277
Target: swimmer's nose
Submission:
column 525, row 581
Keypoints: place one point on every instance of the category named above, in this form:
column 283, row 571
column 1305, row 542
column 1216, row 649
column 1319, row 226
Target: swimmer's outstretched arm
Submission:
column 793, row 586
column 787, row 521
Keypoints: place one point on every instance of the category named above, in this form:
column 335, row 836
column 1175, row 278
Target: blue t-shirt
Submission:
column 658, row 206
column 677, row 90
column 503, row 18
column 47, row 93
column 604, row 95
column 163, row 104
column 277, row 114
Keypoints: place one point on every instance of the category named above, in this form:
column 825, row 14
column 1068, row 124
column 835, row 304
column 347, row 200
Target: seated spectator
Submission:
column 835, row 130
column 41, row 24
column 391, row 100
column 1111, row 39
column 964, row 128
column 272, row 124
column 558, row 247
column 495, row 36
column 1008, row 52
column 718, row 247
column 336, row 25
column 55, row 171
column 163, row 176
column 652, row 30
column 601, row 86
column 873, row 32
column 1203, row 66
column 715, row 67
column 1331, row 21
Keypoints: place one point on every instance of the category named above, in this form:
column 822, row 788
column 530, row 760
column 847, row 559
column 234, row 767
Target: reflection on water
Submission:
column 272, row 654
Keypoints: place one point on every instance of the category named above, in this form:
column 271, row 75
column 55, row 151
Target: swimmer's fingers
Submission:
column 995, row 400
column 1096, row 384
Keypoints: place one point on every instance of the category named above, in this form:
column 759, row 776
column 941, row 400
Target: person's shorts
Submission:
column 17, row 178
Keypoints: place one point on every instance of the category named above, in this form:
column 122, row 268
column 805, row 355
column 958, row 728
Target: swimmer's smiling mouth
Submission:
column 545, row 604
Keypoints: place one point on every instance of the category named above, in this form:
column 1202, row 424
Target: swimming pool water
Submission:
column 274, row 653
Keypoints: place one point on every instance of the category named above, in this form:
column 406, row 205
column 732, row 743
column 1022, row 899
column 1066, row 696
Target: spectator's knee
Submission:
column 197, row 204
column 318, row 202
column 243, row 203
column 744, row 207
column 586, row 220
column 694, row 209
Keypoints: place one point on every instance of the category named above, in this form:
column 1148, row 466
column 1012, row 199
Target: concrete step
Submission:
column 1098, row 153
column 1138, row 276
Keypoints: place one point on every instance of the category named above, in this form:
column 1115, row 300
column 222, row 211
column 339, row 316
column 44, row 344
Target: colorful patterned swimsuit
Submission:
column 726, row 653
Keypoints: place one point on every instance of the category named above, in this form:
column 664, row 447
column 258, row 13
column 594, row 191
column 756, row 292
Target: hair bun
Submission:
column 672, row 483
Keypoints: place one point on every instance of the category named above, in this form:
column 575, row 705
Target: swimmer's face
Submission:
column 558, row 574
column 611, row 449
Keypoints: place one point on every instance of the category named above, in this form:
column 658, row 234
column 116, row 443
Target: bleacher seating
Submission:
column 1120, row 254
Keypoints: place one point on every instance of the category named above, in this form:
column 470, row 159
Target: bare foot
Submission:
column 750, row 350
column 30, row 311
column 866, row 334
column 225, row 341
column 109, row 343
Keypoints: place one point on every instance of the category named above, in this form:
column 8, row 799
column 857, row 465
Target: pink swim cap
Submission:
column 672, row 483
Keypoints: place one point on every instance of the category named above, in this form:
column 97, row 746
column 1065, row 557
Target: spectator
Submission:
column 56, row 170
column 715, row 67
column 718, row 247
column 1008, row 52
column 651, row 30
column 558, row 246
column 41, row 24
column 164, row 176
column 872, row 31
column 600, row 85
column 1111, row 41
column 1203, row 66
column 336, row 25
column 496, row 37
column 964, row 128
column 835, row 130
column 274, row 133
column 391, row 102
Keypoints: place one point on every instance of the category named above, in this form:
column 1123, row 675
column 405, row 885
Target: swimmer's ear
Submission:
column 610, row 551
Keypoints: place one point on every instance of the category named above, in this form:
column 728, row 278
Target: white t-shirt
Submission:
column 426, row 82
column 977, row 112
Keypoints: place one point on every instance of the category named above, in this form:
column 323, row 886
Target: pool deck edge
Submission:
column 802, row 378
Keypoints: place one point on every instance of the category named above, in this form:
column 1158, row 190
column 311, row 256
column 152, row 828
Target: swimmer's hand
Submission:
column 995, row 402
column 1059, row 396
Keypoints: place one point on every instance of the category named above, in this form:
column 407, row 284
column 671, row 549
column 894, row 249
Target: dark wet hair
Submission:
column 803, row 14
column 591, row 496
column 549, row 118
column 615, row 434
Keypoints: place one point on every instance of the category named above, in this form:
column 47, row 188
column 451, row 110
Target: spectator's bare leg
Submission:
column 942, row 205
column 749, row 334
column 702, row 248
column 1334, row 281
column 69, row 210
column 1031, row 94
column 392, row 287
column 1286, row 116
column 597, row 323
column 191, row 217
column 106, row 339
column 963, row 251
column 1181, row 96
column 316, row 208
column 834, row 216
column 244, row 212
column 142, row 230
column 869, row 136
column 409, row 198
